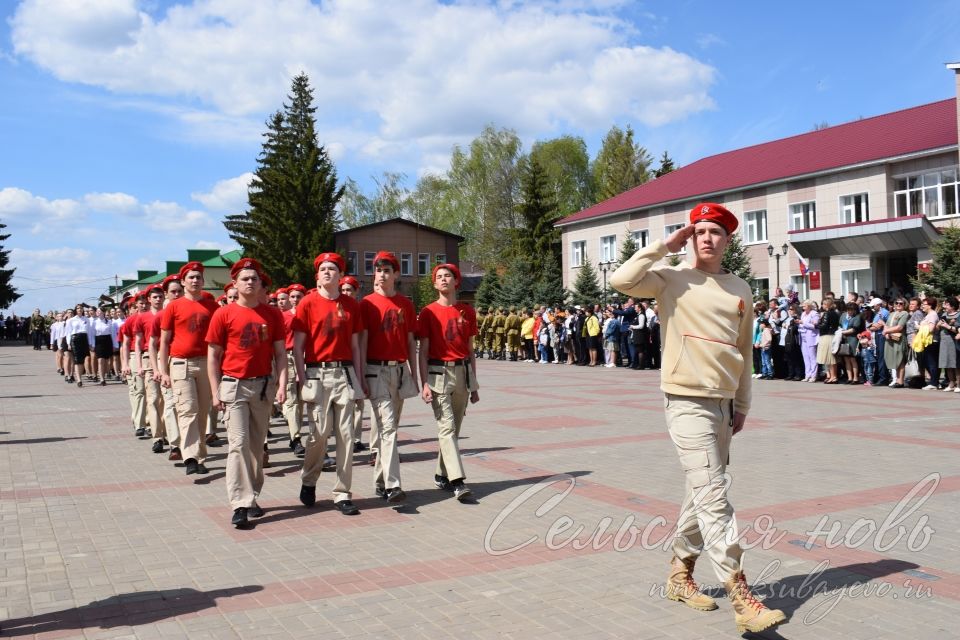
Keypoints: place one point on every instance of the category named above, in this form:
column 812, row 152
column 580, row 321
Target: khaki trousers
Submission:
column 135, row 387
column 448, row 383
column 248, row 405
column 357, row 420
column 332, row 413
column 292, row 406
column 192, row 390
column 701, row 429
column 386, row 405
column 170, row 415
column 154, row 400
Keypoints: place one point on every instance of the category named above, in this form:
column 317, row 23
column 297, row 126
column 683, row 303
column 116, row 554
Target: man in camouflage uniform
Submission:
column 481, row 322
column 512, row 328
column 499, row 332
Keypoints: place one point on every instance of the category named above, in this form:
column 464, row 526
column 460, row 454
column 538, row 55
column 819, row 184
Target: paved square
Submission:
column 577, row 486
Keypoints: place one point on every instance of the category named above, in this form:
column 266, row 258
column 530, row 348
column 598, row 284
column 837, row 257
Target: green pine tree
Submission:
column 293, row 197
column 489, row 290
column 586, row 288
column 735, row 258
column 8, row 293
column 548, row 287
column 516, row 288
column 666, row 166
column 943, row 279
column 628, row 247
column 537, row 238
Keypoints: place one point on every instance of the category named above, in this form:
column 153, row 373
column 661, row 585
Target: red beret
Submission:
column 350, row 280
column 273, row 296
column 329, row 256
column 173, row 277
column 151, row 289
column 718, row 214
column 282, row 290
column 222, row 298
column 190, row 266
column 246, row 263
column 228, row 286
column 386, row 256
column 296, row 286
column 452, row 268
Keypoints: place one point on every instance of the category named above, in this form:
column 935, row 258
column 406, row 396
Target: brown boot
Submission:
column 749, row 613
column 682, row 588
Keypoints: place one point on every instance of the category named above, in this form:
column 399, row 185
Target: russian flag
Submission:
column 803, row 267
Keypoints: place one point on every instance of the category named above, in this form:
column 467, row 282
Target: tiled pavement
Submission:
column 100, row 538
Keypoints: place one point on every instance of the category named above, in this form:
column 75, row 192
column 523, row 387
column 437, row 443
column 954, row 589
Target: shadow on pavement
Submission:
column 128, row 609
column 30, row 395
column 41, row 440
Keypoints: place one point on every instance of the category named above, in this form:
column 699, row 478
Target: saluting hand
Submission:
column 676, row 240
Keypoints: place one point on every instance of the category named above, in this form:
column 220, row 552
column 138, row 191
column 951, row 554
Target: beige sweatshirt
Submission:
column 706, row 325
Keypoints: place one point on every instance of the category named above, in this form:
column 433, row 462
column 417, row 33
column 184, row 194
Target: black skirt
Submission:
column 81, row 347
column 103, row 346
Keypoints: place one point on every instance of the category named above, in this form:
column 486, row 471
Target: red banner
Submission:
column 814, row 279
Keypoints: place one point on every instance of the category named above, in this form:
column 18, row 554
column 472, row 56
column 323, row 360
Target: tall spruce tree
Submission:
column 736, row 260
column 666, row 166
column 548, row 287
column 8, row 293
column 489, row 290
column 586, row 288
column 293, row 196
column 537, row 238
column 628, row 247
column 516, row 287
column 621, row 164
column 943, row 279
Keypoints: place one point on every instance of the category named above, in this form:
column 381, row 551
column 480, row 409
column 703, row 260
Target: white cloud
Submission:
column 396, row 72
column 227, row 196
column 20, row 205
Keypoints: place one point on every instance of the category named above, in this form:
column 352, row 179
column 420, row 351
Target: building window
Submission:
column 803, row 216
column 441, row 258
column 406, row 264
column 352, row 263
column 368, row 257
column 755, row 226
column 761, row 288
column 642, row 238
column 854, row 209
column 423, row 263
column 578, row 253
column 608, row 249
column 800, row 282
column 933, row 194
column 670, row 228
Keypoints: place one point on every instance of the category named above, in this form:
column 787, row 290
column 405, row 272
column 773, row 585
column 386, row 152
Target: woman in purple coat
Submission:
column 809, row 334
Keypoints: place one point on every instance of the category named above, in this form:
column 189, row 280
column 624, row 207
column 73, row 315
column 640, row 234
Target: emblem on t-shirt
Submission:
column 250, row 336
column 392, row 319
column 195, row 323
column 454, row 329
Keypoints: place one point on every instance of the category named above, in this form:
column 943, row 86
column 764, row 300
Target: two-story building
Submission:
column 858, row 203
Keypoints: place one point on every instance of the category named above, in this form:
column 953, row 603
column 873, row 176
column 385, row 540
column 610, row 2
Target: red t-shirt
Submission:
column 144, row 326
column 155, row 327
column 124, row 331
column 247, row 336
column 288, row 317
column 449, row 330
column 329, row 325
column 188, row 320
column 388, row 321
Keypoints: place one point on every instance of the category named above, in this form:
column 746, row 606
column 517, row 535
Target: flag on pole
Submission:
column 803, row 267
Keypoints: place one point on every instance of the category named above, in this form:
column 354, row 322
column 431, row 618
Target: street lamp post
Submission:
column 604, row 267
column 770, row 252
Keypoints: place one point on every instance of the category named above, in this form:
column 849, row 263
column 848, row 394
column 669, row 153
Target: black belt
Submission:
column 335, row 364
column 386, row 363
column 232, row 379
column 443, row 363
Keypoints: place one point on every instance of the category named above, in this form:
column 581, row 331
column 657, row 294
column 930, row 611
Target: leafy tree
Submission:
column 516, row 289
column 566, row 166
column 666, row 166
column 735, row 258
column 489, row 290
column 389, row 201
column 548, row 287
column 293, row 196
column 8, row 293
column 586, row 287
column 422, row 292
column 628, row 247
column 943, row 279
column 537, row 239
column 620, row 165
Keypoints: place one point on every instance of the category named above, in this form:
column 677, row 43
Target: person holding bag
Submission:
column 895, row 345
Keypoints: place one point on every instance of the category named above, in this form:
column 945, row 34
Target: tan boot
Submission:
column 749, row 613
column 682, row 588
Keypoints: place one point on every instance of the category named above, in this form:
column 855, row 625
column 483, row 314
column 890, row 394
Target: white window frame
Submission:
column 798, row 214
column 846, row 209
column 368, row 257
column 578, row 253
column 641, row 237
column 608, row 249
column 352, row 263
column 423, row 264
column 802, row 283
column 850, row 280
column 670, row 228
column 923, row 191
column 406, row 264
column 755, row 222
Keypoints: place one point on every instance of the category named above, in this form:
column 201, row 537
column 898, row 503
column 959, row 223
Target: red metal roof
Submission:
column 929, row 126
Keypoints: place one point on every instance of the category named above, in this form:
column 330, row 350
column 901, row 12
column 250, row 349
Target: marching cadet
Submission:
column 446, row 329
column 246, row 343
column 172, row 290
column 141, row 330
column 350, row 286
column 326, row 349
column 131, row 367
column 183, row 363
column 511, row 327
column 481, row 331
column 388, row 344
column 499, row 334
column 292, row 406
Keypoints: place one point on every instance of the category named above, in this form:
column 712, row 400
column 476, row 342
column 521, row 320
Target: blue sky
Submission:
column 129, row 127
